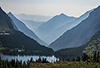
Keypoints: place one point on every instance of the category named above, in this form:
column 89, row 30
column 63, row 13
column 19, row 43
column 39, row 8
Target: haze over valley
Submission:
column 53, row 32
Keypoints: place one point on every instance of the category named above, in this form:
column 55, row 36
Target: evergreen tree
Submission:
column 31, row 60
column 78, row 58
column 24, row 65
column 13, row 63
column 39, row 60
column 73, row 59
column 44, row 60
column 16, row 64
column 94, row 56
column 85, row 57
column 97, row 60
column 67, row 59
column 28, row 64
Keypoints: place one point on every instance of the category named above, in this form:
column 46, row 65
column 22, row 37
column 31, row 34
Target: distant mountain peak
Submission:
column 62, row 14
column 10, row 13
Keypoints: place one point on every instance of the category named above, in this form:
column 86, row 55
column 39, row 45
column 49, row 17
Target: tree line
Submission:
column 18, row 64
column 86, row 58
column 95, row 58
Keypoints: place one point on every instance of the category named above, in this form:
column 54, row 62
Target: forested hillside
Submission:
column 14, row 42
column 89, row 48
column 93, row 44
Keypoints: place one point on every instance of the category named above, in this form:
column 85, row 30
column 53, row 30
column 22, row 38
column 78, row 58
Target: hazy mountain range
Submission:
column 12, row 40
column 33, row 25
column 80, row 34
column 46, row 30
column 22, row 27
column 72, row 24
column 67, row 36
column 55, row 27
column 36, row 18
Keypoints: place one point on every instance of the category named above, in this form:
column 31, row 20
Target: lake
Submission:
column 28, row 57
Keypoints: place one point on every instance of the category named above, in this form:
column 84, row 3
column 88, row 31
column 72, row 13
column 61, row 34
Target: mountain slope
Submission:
column 61, row 30
column 80, row 34
column 72, row 24
column 45, row 30
column 32, row 24
column 92, row 45
column 12, row 41
column 89, row 48
column 69, row 52
column 3, row 25
column 22, row 27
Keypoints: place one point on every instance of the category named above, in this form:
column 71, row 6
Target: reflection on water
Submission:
column 28, row 57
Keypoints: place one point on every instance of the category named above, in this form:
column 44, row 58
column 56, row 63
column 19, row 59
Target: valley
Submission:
column 66, row 41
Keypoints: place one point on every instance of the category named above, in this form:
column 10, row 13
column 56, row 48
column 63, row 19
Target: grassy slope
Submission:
column 65, row 64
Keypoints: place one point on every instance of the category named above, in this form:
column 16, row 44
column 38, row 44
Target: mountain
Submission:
column 80, row 34
column 23, row 28
column 93, row 44
column 13, row 42
column 56, row 33
column 69, row 52
column 32, row 24
column 3, row 19
column 89, row 48
column 61, row 30
column 37, row 18
column 45, row 30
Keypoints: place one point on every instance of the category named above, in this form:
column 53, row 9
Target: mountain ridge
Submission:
column 23, row 28
column 32, row 24
column 36, row 18
column 45, row 29
column 61, row 30
column 89, row 48
column 80, row 34
column 4, row 26
column 11, row 41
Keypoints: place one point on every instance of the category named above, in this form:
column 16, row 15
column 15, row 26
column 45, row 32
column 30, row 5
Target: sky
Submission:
column 49, row 7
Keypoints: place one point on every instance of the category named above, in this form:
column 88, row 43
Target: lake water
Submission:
column 26, row 58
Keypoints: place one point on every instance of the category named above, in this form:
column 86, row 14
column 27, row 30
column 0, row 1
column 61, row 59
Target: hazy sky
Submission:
column 49, row 7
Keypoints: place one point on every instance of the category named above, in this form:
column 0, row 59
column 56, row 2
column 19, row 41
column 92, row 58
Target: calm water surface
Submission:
column 26, row 58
